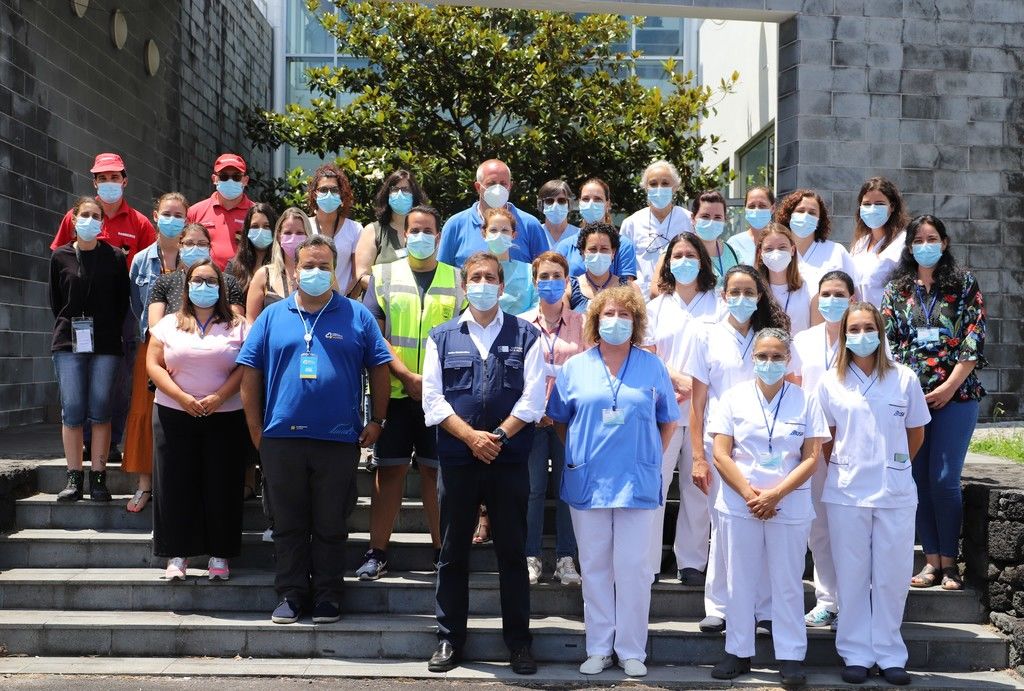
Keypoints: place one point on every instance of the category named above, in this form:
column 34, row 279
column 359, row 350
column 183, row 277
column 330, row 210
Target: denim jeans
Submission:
column 547, row 446
column 121, row 396
column 86, row 382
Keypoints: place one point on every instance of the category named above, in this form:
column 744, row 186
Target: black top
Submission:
column 97, row 288
column 170, row 290
column 423, row 281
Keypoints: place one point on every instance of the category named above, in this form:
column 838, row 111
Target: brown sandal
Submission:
column 926, row 577
column 951, row 579
column 483, row 529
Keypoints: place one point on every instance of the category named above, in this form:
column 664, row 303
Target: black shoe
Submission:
column 712, row 625
column 114, row 455
column 731, row 667
column 692, row 577
column 897, row 676
column 444, row 658
column 286, row 613
column 763, row 628
column 326, row 613
column 98, row 486
column 854, row 674
column 73, row 490
column 522, row 661
column 792, row 673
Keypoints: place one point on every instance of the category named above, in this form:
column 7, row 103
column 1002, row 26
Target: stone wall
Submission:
column 66, row 94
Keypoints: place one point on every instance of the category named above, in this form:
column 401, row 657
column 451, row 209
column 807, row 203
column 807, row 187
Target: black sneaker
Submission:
column 375, row 565
column 792, row 673
column 286, row 613
column 897, row 676
column 731, row 667
column 763, row 628
column 854, row 674
column 712, row 625
column 98, row 486
column 522, row 661
column 326, row 613
column 691, row 577
column 73, row 490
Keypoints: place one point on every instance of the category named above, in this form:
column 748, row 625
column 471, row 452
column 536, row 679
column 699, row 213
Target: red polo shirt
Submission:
column 223, row 224
column 126, row 229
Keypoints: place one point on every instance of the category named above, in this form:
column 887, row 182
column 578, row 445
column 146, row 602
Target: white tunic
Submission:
column 874, row 266
column 817, row 356
column 650, row 237
column 822, row 257
column 797, row 305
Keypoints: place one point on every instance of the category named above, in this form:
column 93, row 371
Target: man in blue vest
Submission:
column 483, row 385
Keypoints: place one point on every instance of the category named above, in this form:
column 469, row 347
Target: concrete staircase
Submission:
column 80, row 580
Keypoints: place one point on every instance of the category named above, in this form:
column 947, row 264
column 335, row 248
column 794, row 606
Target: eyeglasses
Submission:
column 397, row 188
column 555, row 200
column 760, row 357
column 237, row 177
column 194, row 243
column 197, row 282
column 328, row 190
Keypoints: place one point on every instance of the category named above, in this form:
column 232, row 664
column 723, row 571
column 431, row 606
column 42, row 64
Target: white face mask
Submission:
column 776, row 260
column 496, row 196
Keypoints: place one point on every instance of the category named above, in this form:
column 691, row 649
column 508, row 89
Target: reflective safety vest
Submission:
column 407, row 319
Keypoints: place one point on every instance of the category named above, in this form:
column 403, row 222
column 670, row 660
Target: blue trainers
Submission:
column 820, row 617
column 286, row 613
column 326, row 613
column 375, row 565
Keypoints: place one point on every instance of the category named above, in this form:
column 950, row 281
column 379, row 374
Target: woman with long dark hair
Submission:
column 878, row 237
column 254, row 244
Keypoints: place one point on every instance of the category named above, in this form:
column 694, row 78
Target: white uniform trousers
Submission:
column 613, row 545
column 693, row 524
column 781, row 547
column 873, row 551
column 821, row 547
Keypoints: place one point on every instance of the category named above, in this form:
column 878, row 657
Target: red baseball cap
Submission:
column 107, row 163
column 229, row 161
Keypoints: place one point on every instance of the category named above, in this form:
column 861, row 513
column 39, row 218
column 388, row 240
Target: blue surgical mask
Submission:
column 551, row 290
column 862, row 344
column 556, row 213
column 261, row 237
column 400, row 202
column 328, row 202
column 659, row 197
column 833, row 308
column 170, row 226
column 483, row 296
column 927, row 254
column 498, row 243
column 420, row 245
column 110, row 192
column 592, row 212
column 803, row 224
column 315, row 282
column 192, row 254
column 769, row 371
column 597, row 263
column 615, row 330
column 685, row 269
column 203, row 295
column 758, row 218
column 230, row 189
column 874, row 215
column 86, row 228
column 709, row 229
column 741, row 307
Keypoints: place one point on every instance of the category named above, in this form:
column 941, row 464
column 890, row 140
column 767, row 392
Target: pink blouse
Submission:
column 559, row 344
column 199, row 364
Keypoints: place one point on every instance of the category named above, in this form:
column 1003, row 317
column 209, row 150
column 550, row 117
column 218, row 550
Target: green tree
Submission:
column 447, row 87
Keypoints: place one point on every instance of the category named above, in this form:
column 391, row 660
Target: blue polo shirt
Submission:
column 346, row 340
column 462, row 236
column 623, row 265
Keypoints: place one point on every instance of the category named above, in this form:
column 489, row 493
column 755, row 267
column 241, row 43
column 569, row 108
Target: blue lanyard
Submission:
column 926, row 310
column 203, row 327
column 862, row 380
column 622, row 376
column 554, row 339
column 690, row 308
column 721, row 264
column 746, row 349
column 308, row 337
column 775, row 415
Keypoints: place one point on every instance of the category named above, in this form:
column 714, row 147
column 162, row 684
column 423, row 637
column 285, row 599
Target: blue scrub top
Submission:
column 613, row 466
column 624, row 263
column 462, row 236
column 519, row 295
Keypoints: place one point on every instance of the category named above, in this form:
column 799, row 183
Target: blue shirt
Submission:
column 146, row 268
column 462, row 236
column 519, row 294
column 623, row 264
column 346, row 339
column 613, row 466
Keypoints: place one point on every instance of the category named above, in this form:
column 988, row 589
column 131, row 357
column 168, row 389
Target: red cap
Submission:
column 229, row 161
column 107, row 163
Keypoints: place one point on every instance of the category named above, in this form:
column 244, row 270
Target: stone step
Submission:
column 252, row 590
column 948, row 647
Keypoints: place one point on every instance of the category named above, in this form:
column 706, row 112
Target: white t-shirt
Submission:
column 874, row 266
column 870, row 464
column 650, row 237
column 768, row 437
column 345, row 240
column 797, row 305
column 821, row 258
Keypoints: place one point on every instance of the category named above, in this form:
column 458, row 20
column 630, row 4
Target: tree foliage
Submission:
column 447, row 87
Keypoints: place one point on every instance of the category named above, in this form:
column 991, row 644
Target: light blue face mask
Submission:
column 862, row 344
column 709, row 229
column 483, row 296
column 741, row 307
column 615, row 330
column 170, row 226
column 400, row 202
column 192, row 254
column 328, row 202
column 803, row 224
column 230, row 189
column 833, row 308
column 685, row 269
column 597, row 263
column 592, row 212
column 769, row 371
column 420, row 245
column 556, row 213
column 86, row 228
column 110, row 192
column 927, row 254
column 261, row 237
column 498, row 243
column 758, row 218
column 203, row 295
column 874, row 215
column 314, row 282
column 659, row 197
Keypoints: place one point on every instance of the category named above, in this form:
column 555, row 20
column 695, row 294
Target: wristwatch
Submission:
column 380, row 421
column 502, row 435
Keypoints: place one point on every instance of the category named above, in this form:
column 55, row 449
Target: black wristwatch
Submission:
column 502, row 436
column 379, row 420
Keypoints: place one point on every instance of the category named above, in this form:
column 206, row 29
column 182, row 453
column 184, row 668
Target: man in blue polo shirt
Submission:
column 303, row 358
column 462, row 234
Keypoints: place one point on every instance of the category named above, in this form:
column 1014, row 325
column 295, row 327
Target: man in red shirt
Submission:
column 224, row 212
column 123, row 226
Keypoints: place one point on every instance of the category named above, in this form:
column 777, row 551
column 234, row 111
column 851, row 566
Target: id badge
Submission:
column 770, row 461
column 401, row 252
column 307, row 366
column 81, row 335
column 611, row 416
column 900, row 458
column 930, row 335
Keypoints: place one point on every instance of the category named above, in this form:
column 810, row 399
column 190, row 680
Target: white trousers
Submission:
column 613, row 544
column 693, row 524
column 821, row 547
column 873, row 551
column 781, row 547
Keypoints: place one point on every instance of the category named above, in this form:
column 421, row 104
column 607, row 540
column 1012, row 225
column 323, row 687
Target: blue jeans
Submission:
column 937, row 469
column 86, row 382
column 547, row 446
column 121, row 398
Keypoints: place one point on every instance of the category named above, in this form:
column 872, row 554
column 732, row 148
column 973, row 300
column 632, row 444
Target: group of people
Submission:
column 807, row 395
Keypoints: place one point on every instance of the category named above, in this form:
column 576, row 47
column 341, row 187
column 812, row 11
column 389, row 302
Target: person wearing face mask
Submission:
column 758, row 205
column 329, row 202
column 561, row 333
column 767, row 439
column 776, row 260
column 223, row 213
column 483, row 386
column 499, row 231
column 614, row 408
column 597, row 243
column 301, row 391
column 383, row 241
column 89, row 300
column 463, row 233
column 709, row 214
column 935, row 323
column 595, row 207
column 869, row 493
column 198, row 427
column 878, row 237
column 278, row 279
column 650, row 229
column 254, row 245
column 804, row 212
column 408, row 297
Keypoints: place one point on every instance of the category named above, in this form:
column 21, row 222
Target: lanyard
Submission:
column 621, row 377
column 830, row 356
column 81, row 268
column 927, row 311
column 544, row 335
column 308, row 337
column 160, row 258
column 721, row 264
column 689, row 308
column 810, row 250
column 598, row 288
column 656, row 233
column 775, row 415
column 739, row 341
column 862, row 380
column 204, row 325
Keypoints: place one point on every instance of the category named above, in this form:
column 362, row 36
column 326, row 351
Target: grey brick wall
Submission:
column 66, row 93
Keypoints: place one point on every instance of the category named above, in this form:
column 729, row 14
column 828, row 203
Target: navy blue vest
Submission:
column 483, row 392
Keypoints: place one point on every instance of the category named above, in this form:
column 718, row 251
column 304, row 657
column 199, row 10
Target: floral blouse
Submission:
column 959, row 319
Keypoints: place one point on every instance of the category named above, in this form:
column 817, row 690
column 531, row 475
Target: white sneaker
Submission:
column 176, row 568
column 633, row 668
column 595, row 664
column 565, row 571
column 268, row 535
column 533, row 567
column 218, row 569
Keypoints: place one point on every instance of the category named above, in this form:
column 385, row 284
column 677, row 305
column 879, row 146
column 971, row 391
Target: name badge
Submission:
column 900, row 458
column 81, row 335
column 307, row 366
column 611, row 416
column 551, row 370
column 770, row 461
column 930, row 335
column 401, row 253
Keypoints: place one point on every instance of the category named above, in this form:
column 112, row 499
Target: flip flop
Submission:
column 926, row 577
column 139, row 500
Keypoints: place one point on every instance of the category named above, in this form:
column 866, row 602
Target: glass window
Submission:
column 298, row 89
column 757, row 162
column 305, row 34
column 660, row 36
column 652, row 73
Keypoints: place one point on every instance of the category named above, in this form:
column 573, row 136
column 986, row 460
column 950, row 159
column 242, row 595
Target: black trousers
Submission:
column 504, row 488
column 311, row 485
column 198, row 473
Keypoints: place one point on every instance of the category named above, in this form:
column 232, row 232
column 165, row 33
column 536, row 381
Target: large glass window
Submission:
column 757, row 161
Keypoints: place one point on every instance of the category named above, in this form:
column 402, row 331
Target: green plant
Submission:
column 1008, row 445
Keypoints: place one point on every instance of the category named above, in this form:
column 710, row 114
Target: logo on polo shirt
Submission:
column 510, row 349
column 298, row 428
column 331, row 336
column 127, row 235
column 796, row 433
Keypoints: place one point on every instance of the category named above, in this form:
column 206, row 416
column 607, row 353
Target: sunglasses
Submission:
column 328, row 190
column 555, row 200
column 237, row 177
